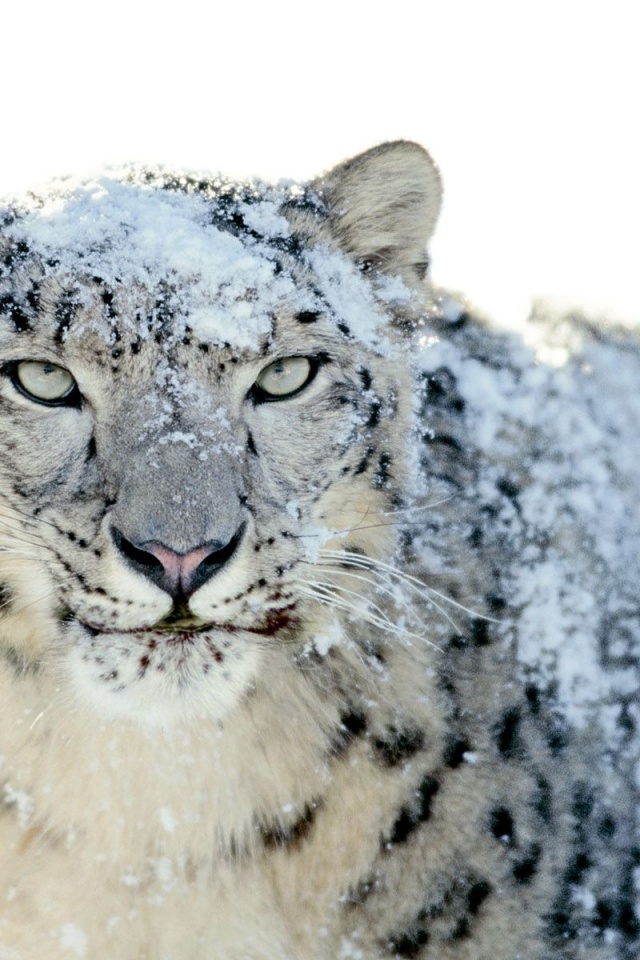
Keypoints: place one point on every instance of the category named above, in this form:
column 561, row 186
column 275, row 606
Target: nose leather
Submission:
column 179, row 568
column 178, row 574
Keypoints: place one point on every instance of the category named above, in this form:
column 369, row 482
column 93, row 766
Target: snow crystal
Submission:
column 74, row 939
column 349, row 295
column 265, row 218
column 167, row 819
column 22, row 801
column 331, row 636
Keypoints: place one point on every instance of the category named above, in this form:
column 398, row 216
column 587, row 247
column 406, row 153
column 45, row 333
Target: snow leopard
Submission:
column 319, row 623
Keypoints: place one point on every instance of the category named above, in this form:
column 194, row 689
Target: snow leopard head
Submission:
column 203, row 390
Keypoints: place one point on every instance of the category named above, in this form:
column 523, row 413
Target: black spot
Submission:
column 382, row 473
column 251, row 447
column 6, row 597
column 454, row 752
column 442, row 440
column 578, row 866
column 353, row 723
column 476, row 537
column 344, row 329
column 107, row 298
column 533, row 695
column 409, row 944
column 411, row 816
column 15, row 312
column 66, row 308
column 617, row 911
column 91, row 449
column 375, row 408
column 365, row 378
column 460, row 321
column 442, row 390
column 496, row 604
column 501, row 824
column 524, row 869
column 18, row 662
column 583, row 802
column 307, row 316
column 560, row 924
column 480, row 636
column 359, row 894
column 557, row 739
column 607, row 827
column 541, row 800
column 508, row 488
column 364, row 463
column 508, row 736
column 398, row 746
column 33, row 297
column 290, row 836
column 421, row 268
column 475, row 897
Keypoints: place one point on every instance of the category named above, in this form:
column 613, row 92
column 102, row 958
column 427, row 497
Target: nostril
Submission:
column 220, row 554
column 138, row 557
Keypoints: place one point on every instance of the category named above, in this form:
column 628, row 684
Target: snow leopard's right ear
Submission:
column 383, row 207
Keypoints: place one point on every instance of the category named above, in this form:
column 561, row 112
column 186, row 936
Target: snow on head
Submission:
column 221, row 255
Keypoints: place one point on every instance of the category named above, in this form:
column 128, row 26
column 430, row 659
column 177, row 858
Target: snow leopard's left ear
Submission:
column 384, row 205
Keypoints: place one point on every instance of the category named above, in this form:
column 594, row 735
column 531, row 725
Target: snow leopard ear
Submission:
column 383, row 207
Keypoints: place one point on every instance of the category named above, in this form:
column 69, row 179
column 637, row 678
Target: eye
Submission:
column 284, row 378
column 44, row 382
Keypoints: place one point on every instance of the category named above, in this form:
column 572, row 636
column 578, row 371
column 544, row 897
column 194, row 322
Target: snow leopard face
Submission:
column 201, row 389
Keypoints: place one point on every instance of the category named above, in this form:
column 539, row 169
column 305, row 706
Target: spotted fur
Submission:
column 316, row 738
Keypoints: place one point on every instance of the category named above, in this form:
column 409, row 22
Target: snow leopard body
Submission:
column 319, row 610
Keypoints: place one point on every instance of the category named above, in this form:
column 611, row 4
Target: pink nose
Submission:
column 179, row 568
column 178, row 574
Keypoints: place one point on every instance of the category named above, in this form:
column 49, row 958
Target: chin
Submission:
column 160, row 678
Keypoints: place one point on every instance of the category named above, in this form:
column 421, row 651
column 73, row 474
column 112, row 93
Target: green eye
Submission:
column 285, row 377
column 43, row 381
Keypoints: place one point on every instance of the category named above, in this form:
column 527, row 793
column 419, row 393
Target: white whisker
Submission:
column 326, row 593
column 413, row 583
column 390, row 591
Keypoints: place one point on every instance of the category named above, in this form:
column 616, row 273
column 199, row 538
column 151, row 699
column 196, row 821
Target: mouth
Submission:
column 180, row 628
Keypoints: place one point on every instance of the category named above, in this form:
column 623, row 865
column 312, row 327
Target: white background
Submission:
column 531, row 110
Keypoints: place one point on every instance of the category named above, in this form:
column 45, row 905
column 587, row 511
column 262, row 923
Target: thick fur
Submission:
column 360, row 736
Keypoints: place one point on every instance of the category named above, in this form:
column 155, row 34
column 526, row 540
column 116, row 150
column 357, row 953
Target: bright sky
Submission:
column 529, row 108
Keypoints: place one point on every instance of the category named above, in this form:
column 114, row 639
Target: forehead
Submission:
column 149, row 255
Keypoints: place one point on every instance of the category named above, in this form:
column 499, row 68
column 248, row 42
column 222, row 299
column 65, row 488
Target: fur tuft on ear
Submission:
column 383, row 206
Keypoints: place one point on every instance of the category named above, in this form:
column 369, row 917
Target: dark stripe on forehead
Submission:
column 66, row 309
column 33, row 297
column 15, row 252
column 15, row 313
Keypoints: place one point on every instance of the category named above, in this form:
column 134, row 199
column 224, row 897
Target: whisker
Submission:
column 329, row 597
column 422, row 506
column 370, row 563
column 391, row 592
column 16, row 613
